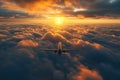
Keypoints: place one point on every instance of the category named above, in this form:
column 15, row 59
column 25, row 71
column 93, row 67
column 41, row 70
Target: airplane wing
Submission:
column 67, row 50
column 48, row 49
column 71, row 50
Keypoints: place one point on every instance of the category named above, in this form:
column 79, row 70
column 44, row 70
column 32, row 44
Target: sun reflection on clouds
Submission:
column 87, row 74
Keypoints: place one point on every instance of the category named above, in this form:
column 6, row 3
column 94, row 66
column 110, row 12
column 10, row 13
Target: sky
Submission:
column 68, row 8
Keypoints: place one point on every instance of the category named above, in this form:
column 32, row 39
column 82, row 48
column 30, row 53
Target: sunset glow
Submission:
column 59, row 20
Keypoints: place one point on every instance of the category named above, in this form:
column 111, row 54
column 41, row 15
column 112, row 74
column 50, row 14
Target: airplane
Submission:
column 59, row 50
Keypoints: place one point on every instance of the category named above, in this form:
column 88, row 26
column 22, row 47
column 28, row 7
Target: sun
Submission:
column 59, row 20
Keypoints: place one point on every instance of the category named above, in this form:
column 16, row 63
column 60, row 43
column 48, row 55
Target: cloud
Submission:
column 94, row 8
column 29, row 5
column 97, row 58
column 55, row 38
column 97, row 46
column 28, row 43
column 19, row 36
column 6, row 13
column 87, row 74
column 2, row 35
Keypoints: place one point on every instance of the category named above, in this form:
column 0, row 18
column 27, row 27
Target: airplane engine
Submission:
column 55, row 51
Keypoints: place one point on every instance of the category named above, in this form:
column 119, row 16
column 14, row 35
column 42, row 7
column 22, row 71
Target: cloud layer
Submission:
column 97, row 59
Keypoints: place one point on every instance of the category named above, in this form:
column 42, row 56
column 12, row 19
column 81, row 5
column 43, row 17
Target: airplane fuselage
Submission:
column 60, row 48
